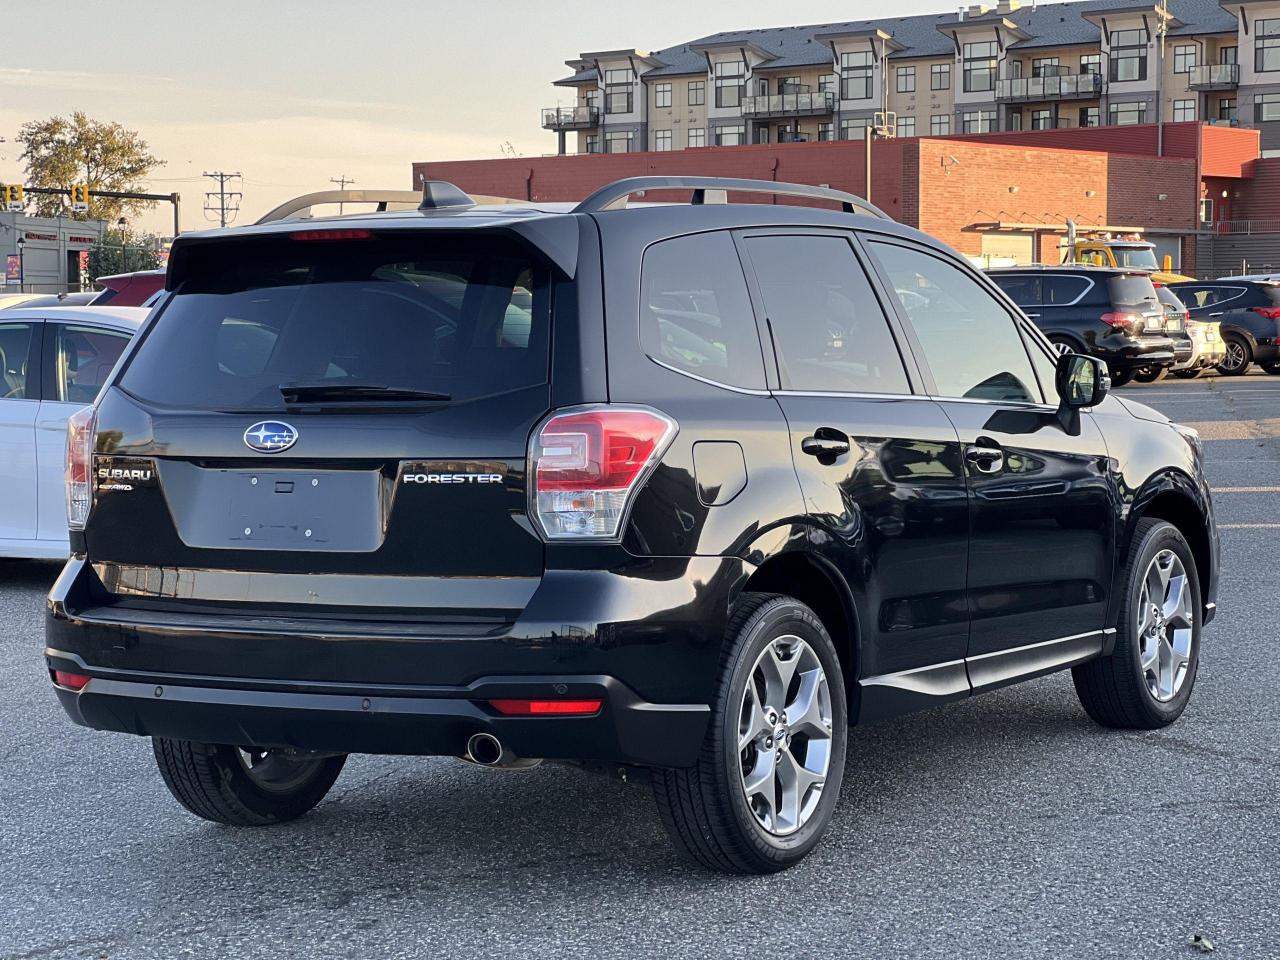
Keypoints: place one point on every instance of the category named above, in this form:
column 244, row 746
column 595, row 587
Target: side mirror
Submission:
column 1081, row 381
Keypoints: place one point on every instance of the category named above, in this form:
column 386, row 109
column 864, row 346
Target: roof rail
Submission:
column 385, row 199
column 613, row 196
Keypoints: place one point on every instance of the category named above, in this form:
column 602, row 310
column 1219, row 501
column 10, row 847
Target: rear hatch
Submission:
column 1133, row 295
column 330, row 424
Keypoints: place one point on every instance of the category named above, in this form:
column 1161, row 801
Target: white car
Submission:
column 52, row 362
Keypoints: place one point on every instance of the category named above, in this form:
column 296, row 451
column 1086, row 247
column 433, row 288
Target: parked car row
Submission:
column 1142, row 329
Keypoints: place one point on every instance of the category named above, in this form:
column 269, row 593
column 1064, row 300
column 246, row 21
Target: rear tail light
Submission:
column 72, row 681
column 1271, row 313
column 586, row 464
column 1130, row 322
column 342, row 234
column 79, row 467
column 547, row 708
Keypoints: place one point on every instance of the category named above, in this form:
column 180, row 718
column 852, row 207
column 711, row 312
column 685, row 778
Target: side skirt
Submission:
column 892, row 694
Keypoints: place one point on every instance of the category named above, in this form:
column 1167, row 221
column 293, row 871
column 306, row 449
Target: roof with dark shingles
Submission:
column 1050, row 25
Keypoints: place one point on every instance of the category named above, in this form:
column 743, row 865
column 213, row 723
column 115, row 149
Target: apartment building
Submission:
column 983, row 69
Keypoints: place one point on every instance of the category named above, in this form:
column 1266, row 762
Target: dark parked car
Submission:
column 681, row 489
column 1112, row 313
column 1250, row 314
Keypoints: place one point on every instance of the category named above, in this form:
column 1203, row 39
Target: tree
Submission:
column 61, row 151
column 118, row 251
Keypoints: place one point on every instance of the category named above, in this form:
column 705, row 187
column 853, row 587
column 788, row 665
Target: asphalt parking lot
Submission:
column 1005, row 826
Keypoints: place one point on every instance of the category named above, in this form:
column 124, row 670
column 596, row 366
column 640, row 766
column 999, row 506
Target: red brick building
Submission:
column 999, row 194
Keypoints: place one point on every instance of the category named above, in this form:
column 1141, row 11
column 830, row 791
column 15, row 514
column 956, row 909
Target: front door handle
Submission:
column 826, row 444
column 984, row 457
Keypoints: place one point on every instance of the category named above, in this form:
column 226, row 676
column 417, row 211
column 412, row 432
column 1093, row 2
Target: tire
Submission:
column 1238, row 358
column 1187, row 374
column 1120, row 377
column 706, row 808
column 1116, row 690
column 215, row 782
column 1150, row 374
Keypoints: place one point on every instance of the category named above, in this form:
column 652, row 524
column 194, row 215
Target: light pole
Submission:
column 121, row 225
column 22, row 264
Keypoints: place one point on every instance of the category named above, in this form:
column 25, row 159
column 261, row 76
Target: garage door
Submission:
column 1004, row 247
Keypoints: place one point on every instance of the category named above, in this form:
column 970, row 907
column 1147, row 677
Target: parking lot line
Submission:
column 1249, row 526
column 1244, row 489
column 1236, row 429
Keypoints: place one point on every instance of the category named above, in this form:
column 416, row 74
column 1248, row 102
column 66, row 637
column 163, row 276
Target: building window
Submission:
column 617, row 142
column 697, row 136
column 1091, row 64
column 854, row 129
column 697, row 93
column 906, row 127
column 1041, row 119
column 1126, row 114
column 1227, row 109
column 1266, row 46
column 617, row 91
column 827, row 83
column 855, row 76
column 731, row 136
column 592, row 143
column 789, row 85
column 1184, row 110
column 662, row 140
column 730, row 79
column 762, row 134
column 1090, row 117
column 662, row 95
column 1015, row 69
column 940, row 76
column 593, row 98
column 1184, row 57
column 784, row 133
column 906, row 79
column 762, row 86
column 979, row 121
column 1013, row 120
column 980, row 66
column 1128, row 55
column 1044, row 67
column 824, row 130
column 1266, row 106
column 940, row 124
column 1227, row 55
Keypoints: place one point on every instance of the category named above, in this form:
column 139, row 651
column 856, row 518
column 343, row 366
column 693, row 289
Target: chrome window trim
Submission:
column 707, row 380
column 851, row 394
column 1083, row 293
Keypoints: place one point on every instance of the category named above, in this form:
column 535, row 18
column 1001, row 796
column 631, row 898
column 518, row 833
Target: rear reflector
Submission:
column 348, row 234
column 587, row 463
column 544, row 708
column 72, row 681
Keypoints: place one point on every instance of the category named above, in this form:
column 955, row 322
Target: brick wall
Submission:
column 1260, row 193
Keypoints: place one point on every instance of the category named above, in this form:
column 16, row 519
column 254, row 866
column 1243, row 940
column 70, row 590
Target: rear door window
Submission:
column 1022, row 290
column 83, row 358
column 695, row 312
column 463, row 318
column 828, row 329
column 1061, row 290
column 15, row 361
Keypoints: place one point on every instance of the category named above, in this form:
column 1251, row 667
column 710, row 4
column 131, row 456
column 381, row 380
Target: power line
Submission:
column 342, row 180
column 227, row 204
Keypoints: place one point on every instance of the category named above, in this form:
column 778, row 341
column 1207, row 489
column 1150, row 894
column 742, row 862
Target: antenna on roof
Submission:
column 439, row 193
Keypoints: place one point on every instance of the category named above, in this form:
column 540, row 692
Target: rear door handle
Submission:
column 985, row 456
column 827, row 443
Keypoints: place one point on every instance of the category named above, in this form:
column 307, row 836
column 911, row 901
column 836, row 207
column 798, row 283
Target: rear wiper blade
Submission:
column 320, row 392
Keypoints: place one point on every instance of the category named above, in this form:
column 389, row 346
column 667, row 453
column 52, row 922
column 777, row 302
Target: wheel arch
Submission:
column 1174, row 497
column 818, row 585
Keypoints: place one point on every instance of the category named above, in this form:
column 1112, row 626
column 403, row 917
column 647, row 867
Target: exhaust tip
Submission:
column 484, row 749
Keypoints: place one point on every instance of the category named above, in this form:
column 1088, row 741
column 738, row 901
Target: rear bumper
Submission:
column 430, row 722
column 1126, row 353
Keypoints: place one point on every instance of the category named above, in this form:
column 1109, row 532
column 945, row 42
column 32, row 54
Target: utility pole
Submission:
column 342, row 182
column 227, row 204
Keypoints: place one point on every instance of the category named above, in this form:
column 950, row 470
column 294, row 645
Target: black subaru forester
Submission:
column 678, row 488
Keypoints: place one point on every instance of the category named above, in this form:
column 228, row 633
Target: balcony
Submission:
column 1214, row 76
column 789, row 105
column 1071, row 86
column 570, row 118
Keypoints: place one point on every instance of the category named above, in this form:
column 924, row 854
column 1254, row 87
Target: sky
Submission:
column 292, row 93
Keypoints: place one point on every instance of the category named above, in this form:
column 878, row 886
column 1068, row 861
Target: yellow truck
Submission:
column 1120, row 250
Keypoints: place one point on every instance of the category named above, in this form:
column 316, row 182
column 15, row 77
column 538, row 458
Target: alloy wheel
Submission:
column 276, row 770
column 1165, row 626
column 784, row 735
column 1235, row 358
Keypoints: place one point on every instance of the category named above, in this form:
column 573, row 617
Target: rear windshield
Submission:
column 1272, row 292
column 465, row 318
column 1132, row 291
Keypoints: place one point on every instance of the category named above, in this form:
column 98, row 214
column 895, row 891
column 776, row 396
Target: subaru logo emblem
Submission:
column 270, row 436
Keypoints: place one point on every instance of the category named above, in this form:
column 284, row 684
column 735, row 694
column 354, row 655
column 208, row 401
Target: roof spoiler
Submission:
column 613, row 196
